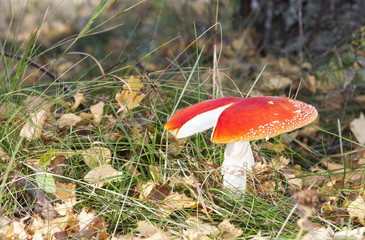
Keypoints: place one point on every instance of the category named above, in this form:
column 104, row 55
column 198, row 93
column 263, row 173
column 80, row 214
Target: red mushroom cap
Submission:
column 242, row 119
column 261, row 117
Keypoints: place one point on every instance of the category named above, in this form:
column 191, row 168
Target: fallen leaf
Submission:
column 204, row 228
column 159, row 235
column 149, row 231
column 277, row 147
column 280, row 162
column 32, row 129
column 183, row 181
column 273, row 82
column 102, row 175
column 309, row 201
column 46, row 182
column 176, row 201
column 146, row 229
column 58, row 225
column 91, row 225
column 349, row 76
column 16, row 231
column 79, row 98
column 229, row 230
column 68, row 119
column 4, row 226
column 357, row 209
column 96, row 156
column 310, row 80
column 66, row 192
column 130, row 97
column 194, row 234
column 358, row 128
column 85, row 218
column 36, row 226
column 322, row 233
column 159, row 192
column 3, row 156
column 32, row 103
column 97, row 111
column 347, row 233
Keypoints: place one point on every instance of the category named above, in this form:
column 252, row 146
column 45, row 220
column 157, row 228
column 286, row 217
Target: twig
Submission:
column 39, row 66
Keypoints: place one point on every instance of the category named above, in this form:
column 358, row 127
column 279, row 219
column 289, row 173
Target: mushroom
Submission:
column 236, row 121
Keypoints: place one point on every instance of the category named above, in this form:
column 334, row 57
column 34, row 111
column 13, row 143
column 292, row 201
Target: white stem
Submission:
column 238, row 159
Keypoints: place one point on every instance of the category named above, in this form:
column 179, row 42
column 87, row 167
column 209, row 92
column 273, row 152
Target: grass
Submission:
column 137, row 141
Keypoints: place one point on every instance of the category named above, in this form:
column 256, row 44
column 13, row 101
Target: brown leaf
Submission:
column 96, row 156
column 195, row 234
column 204, row 228
column 3, row 156
column 79, row 98
column 273, row 82
column 102, row 175
column 357, row 127
column 146, row 229
column 357, row 209
column 159, row 192
column 151, row 232
column 176, row 201
column 4, row 226
column 346, row 233
column 229, row 231
column 97, row 111
column 310, row 81
column 322, row 233
column 32, row 129
column 68, row 119
column 16, row 231
column 309, row 201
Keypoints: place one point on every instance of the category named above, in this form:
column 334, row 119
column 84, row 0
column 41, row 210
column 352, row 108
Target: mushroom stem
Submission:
column 238, row 159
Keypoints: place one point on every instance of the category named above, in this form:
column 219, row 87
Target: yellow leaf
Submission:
column 145, row 189
column 130, row 97
column 66, row 192
column 136, row 101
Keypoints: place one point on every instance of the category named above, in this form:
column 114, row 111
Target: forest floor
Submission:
column 87, row 87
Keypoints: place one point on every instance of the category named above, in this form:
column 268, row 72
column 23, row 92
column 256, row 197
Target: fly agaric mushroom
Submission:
column 236, row 121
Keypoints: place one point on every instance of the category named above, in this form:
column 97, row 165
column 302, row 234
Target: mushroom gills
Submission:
column 200, row 122
column 238, row 161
